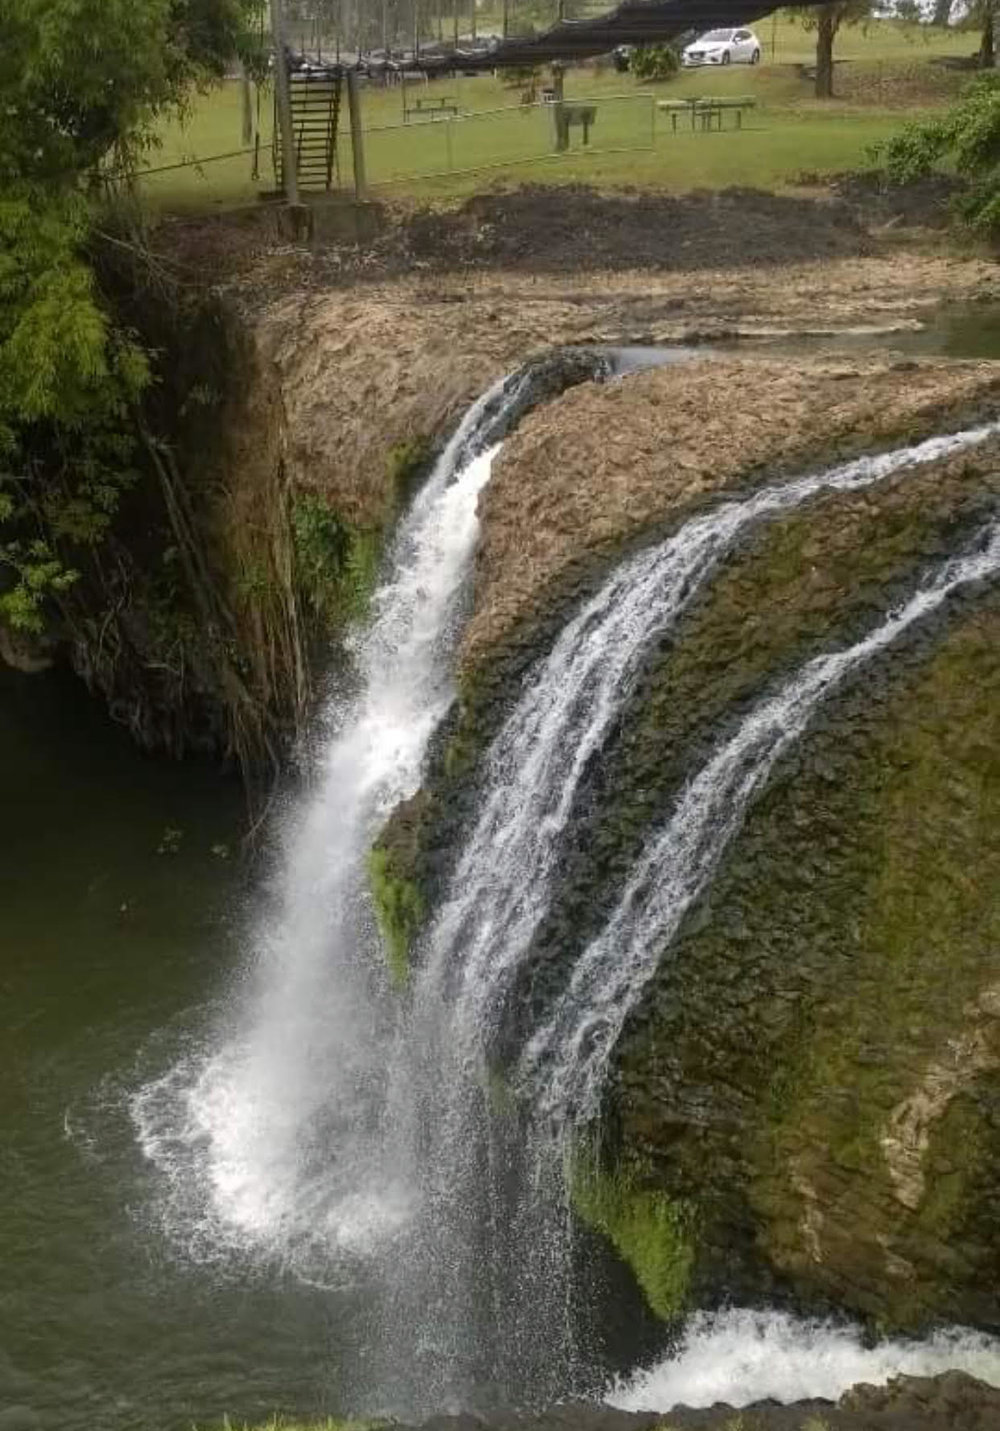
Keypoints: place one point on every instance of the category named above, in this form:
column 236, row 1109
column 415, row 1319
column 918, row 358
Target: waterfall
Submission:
column 488, row 1265
column 501, row 887
column 327, row 1126
column 268, row 1136
column 566, row 1060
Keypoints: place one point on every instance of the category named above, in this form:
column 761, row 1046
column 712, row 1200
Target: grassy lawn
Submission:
column 886, row 77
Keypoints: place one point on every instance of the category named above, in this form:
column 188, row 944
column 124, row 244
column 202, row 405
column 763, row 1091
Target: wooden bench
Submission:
column 676, row 107
column 706, row 109
column 436, row 104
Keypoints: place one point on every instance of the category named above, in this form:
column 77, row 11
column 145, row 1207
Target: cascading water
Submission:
column 329, row 1126
column 269, row 1140
column 566, row 1060
column 503, row 879
column 489, row 1261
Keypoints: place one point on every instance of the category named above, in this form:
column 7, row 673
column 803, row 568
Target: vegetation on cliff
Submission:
column 827, row 1013
column 967, row 138
column 101, row 546
column 650, row 1231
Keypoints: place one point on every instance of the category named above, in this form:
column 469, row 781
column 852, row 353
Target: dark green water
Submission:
column 108, row 951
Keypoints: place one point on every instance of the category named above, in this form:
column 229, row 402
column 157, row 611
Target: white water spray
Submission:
column 269, row 1141
column 740, row 1356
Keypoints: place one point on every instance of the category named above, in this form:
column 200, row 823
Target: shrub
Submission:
column 967, row 137
column 651, row 63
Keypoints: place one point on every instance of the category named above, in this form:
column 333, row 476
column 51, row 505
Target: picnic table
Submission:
column 437, row 106
column 706, row 109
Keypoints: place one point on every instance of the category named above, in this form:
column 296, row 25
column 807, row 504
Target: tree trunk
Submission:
column 826, row 29
column 472, row 15
column 987, row 48
column 942, row 12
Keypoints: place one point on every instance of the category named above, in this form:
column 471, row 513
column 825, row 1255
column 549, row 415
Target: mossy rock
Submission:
column 651, row 1232
column 831, row 1012
column 397, row 881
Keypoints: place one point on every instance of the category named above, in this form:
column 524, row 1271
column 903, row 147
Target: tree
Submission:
column 826, row 20
column 82, row 83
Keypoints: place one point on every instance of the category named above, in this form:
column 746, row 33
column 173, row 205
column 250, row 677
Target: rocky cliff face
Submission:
column 807, row 1103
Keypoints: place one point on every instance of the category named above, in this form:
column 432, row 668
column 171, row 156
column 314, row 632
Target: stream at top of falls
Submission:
column 299, row 1195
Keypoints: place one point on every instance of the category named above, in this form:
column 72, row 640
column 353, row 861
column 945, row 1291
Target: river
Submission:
column 115, row 932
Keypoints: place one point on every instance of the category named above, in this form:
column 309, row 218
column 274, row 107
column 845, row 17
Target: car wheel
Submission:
column 755, row 57
column 726, row 57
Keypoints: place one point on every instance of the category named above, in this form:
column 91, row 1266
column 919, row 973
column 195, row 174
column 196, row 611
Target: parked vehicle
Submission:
column 723, row 47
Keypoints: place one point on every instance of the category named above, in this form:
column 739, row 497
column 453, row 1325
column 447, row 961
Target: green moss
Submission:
column 650, row 1231
column 281, row 1423
column 336, row 561
column 399, row 911
column 838, row 958
column 917, row 895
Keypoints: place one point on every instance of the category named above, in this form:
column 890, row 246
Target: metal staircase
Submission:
column 315, row 98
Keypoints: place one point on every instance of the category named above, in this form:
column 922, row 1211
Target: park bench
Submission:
column 708, row 109
column 435, row 105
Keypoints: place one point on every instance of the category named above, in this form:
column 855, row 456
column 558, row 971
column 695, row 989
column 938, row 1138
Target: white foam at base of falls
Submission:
column 266, row 1133
column 740, row 1356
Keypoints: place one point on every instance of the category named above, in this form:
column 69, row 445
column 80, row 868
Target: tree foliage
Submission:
column 82, row 83
column 654, row 62
column 967, row 136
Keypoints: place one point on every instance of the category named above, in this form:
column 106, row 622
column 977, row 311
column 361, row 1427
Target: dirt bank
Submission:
column 364, row 370
column 568, row 230
column 596, row 467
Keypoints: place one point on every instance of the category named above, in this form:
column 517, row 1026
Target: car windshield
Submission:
column 717, row 35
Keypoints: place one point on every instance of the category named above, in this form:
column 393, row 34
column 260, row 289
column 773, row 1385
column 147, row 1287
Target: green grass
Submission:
column 279, row 1423
column 886, row 78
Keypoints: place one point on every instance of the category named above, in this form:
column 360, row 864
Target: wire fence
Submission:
column 426, row 146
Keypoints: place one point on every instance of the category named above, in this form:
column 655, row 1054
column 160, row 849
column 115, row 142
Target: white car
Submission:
column 723, row 47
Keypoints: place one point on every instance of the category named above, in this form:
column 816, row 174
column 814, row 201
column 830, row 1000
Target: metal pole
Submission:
column 289, row 176
column 357, row 138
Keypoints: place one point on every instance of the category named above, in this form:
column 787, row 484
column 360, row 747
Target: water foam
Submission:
column 267, row 1132
column 740, row 1356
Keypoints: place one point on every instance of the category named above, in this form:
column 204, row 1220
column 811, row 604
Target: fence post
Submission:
column 289, row 174
column 357, row 138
